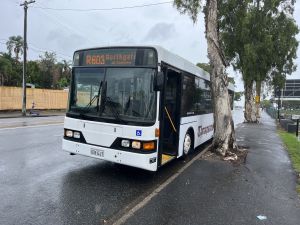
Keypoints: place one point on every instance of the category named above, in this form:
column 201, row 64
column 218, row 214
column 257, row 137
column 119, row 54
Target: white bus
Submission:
column 140, row 106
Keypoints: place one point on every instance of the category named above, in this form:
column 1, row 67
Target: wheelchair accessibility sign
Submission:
column 138, row 133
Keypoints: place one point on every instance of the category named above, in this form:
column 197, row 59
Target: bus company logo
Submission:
column 138, row 133
column 205, row 130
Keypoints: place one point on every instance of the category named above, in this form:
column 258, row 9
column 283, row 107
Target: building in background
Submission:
column 290, row 94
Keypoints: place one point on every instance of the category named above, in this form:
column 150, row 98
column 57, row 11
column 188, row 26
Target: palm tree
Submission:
column 15, row 43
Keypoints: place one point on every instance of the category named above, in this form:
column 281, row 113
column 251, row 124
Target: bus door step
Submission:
column 166, row 158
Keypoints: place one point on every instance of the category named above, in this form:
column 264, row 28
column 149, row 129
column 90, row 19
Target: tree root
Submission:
column 236, row 156
column 230, row 156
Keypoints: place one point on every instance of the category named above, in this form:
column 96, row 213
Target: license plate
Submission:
column 97, row 152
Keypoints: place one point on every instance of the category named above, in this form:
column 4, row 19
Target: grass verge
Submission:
column 293, row 147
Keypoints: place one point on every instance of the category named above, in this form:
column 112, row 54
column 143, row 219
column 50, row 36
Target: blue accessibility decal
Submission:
column 138, row 133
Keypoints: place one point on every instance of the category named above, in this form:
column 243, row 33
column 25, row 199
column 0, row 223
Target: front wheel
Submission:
column 187, row 144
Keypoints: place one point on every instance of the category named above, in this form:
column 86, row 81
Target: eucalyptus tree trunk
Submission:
column 250, row 109
column 257, row 101
column 224, row 134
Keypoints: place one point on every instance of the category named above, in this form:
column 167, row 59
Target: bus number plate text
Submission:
column 97, row 152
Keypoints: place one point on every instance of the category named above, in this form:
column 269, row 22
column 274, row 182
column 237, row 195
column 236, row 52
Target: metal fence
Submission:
column 287, row 121
column 272, row 112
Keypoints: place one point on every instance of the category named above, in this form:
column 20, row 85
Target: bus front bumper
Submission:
column 143, row 161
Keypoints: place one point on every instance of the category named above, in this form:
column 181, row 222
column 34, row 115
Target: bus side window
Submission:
column 188, row 96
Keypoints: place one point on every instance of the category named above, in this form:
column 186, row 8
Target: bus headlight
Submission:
column 69, row 133
column 125, row 143
column 136, row 145
column 76, row 134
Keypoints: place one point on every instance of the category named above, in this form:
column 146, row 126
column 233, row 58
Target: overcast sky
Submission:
column 66, row 31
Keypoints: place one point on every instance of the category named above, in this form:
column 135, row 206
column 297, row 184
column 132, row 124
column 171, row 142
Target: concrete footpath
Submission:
column 217, row 193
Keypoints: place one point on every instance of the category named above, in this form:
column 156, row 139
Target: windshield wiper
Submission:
column 96, row 97
column 113, row 108
column 111, row 104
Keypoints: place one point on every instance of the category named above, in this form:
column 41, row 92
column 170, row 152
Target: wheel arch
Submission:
column 191, row 131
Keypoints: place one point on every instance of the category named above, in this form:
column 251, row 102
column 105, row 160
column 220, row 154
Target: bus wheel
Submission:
column 187, row 144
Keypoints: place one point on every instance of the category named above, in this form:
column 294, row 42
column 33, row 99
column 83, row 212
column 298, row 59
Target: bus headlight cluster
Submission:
column 76, row 134
column 125, row 143
column 136, row 144
column 68, row 133
column 72, row 134
column 149, row 145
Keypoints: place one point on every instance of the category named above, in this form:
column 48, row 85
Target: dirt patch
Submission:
column 236, row 158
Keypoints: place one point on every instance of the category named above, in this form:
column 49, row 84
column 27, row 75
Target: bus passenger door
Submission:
column 170, row 116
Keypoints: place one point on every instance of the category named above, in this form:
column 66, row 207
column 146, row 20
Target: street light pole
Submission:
column 25, row 4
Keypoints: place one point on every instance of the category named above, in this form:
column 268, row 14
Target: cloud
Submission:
column 64, row 42
column 161, row 32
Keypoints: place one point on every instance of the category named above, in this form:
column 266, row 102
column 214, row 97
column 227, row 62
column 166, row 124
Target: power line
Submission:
column 39, row 50
column 59, row 21
column 42, row 51
column 102, row 9
column 47, row 50
column 36, row 48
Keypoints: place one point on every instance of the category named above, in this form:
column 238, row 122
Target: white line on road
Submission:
column 147, row 199
column 22, row 127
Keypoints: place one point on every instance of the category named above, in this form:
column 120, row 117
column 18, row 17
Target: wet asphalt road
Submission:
column 40, row 184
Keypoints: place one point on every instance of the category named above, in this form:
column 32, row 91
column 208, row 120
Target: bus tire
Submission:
column 188, row 143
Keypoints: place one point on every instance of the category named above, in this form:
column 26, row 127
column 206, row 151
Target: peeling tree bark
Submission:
column 250, row 109
column 257, row 104
column 224, row 134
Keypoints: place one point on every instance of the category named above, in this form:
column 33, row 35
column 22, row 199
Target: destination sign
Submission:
column 116, row 57
column 110, row 59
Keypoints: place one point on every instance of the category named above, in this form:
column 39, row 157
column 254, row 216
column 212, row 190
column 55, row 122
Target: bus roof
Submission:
column 179, row 62
column 168, row 57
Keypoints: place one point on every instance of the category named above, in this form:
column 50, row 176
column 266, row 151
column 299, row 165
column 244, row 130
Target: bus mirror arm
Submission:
column 159, row 81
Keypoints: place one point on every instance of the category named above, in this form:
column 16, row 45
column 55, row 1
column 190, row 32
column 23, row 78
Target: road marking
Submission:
column 33, row 126
column 129, row 213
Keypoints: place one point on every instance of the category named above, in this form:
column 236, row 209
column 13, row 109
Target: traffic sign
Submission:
column 295, row 117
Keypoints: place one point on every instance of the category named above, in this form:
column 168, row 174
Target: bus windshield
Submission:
column 119, row 95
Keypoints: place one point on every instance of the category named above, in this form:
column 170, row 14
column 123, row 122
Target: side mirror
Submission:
column 159, row 81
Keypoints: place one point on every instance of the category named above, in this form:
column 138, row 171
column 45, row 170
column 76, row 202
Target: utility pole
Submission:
column 279, row 104
column 278, row 94
column 25, row 4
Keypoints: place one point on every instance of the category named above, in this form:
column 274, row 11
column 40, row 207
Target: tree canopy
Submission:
column 46, row 72
column 259, row 38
